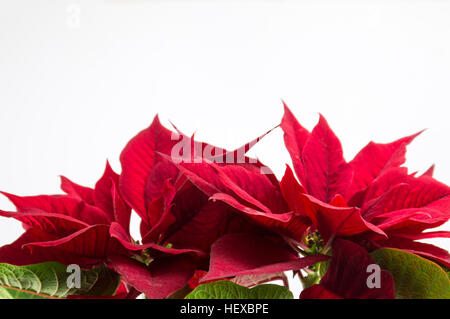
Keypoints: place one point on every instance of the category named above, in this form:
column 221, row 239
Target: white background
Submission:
column 78, row 79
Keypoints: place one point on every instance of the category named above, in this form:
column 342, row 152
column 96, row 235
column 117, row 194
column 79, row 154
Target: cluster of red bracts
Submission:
column 204, row 220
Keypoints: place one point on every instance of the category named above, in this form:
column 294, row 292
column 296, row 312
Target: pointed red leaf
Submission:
column 18, row 254
column 122, row 212
column 77, row 191
column 15, row 255
column 375, row 158
column 295, row 137
column 379, row 205
column 102, row 192
column 247, row 254
column 212, row 221
column 337, row 221
column 50, row 223
column 162, row 278
column 163, row 173
column 412, row 220
column 434, row 234
column 159, row 215
column 138, row 159
column 289, row 224
column 291, row 190
column 90, row 242
column 416, row 192
column 326, row 172
column 430, row 171
column 119, row 233
column 61, row 204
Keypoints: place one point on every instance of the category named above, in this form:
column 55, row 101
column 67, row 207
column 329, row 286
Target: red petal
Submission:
column 247, row 254
column 337, row 221
column 435, row 234
column 103, row 196
column 407, row 204
column 212, row 221
column 50, row 223
column 412, row 221
column 119, row 233
column 90, row 242
column 159, row 216
column 289, row 224
column 160, row 280
column 375, row 158
column 64, row 205
column 430, row 171
column 291, row 190
column 381, row 204
column 416, row 192
column 138, row 160
column 163, row 172
column 77, row 191
column 326, row 172
column 252, row 187
column 295, row 137
column 17, row 254
column 122, row 212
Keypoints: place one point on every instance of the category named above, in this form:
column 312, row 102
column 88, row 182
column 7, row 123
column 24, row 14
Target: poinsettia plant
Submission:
column 216, row 223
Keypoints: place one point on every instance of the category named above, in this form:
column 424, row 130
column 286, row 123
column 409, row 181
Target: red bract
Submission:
column 179, row 219
column 172, row 209
column 371, row 199
column 254, row 195
column 71, row 228
column 252, row 254
column 347, row 276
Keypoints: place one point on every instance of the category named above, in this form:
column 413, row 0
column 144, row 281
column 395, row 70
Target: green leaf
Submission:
column 228, row 290
column 49, row 280
column 414, row 277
